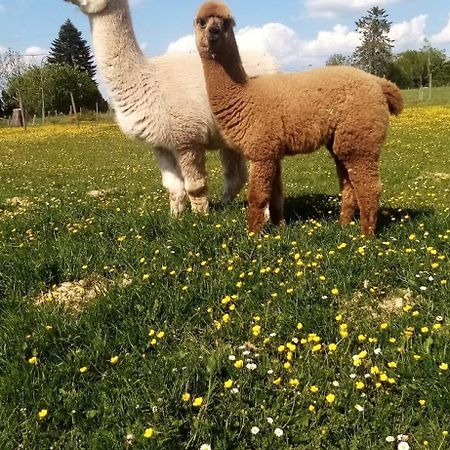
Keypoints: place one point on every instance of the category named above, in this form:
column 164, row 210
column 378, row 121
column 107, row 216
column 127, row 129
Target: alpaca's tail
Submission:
column 393, row 95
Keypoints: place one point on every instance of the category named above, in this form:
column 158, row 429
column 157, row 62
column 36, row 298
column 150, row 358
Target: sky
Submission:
column 300, row 33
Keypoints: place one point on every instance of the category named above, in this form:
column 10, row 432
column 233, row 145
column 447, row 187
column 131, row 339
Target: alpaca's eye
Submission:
column 226, row 23
column 201, row 22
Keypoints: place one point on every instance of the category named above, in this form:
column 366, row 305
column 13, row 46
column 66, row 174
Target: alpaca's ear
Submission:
column 229, row 23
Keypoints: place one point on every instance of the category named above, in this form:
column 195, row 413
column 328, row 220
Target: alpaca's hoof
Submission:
column 199, row 205
column 177, row 204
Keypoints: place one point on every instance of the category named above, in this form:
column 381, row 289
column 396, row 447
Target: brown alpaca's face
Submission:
column 212, row 32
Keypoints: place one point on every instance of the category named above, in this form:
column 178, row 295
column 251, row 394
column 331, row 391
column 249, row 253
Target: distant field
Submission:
column 123, row 328
column 439, row 96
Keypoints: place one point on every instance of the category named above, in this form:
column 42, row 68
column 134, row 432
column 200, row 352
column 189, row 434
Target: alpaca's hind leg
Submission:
column 348, row 200
column 276, row 206
column 365, row 178
column 234, row 167
column 193, row 168
column 172, row 180
column 262, row 177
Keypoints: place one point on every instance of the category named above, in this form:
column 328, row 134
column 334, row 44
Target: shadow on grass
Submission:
column 327, row 207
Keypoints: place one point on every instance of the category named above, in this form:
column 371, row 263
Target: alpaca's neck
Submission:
column 120, row 60
column 225, row 76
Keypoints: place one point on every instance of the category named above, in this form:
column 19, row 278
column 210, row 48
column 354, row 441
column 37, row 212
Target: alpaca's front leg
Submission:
column 172, row 180
column 234, row 167
column 262, row 177
column 193, row 167
column 276, row 206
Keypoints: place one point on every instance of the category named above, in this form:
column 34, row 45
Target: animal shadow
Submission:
column 327, row 207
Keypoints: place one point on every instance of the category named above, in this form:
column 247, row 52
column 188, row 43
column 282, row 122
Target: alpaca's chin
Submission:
column 91, row 6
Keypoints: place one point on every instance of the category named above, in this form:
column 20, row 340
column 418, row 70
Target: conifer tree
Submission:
column 70, row 48
column 375, row 52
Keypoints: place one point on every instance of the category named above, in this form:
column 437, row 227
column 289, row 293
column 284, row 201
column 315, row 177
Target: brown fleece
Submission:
column 271, row 116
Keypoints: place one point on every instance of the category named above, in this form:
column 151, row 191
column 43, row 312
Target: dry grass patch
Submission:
column 384, row 306
column 75, row 295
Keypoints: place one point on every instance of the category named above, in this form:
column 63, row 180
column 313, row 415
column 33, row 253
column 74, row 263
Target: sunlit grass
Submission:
column 121, row 327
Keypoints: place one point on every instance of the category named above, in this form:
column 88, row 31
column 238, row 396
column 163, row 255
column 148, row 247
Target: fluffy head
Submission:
column 90, row 6
column 213, row 26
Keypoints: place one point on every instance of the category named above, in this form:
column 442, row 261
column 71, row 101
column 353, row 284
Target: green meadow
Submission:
column 123, row 328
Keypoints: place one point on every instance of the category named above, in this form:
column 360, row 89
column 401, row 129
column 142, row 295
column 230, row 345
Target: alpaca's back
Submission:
column 184, row 114
column 302, row 110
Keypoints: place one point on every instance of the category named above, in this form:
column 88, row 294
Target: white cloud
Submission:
column 334, row 8
column 186, row 44
column 443, row 37
column 35, row 54
column 295, row 53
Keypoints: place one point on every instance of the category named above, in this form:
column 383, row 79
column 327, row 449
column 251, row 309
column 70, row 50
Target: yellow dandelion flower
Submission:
column 198, row 401
column 422, row 402
column 299, row 326
column 239, row 364
column 256, row 330
column 311, row 408
column 384, row 326
column 33, row 360
column 330, row 398
column 443, row 366
column 392, row 365
column 160, row 335
column 287, row 365
column 335, row 291
column 277, row 382
column 114, row 360
column 186, row 397
column 83, row 369
column 148, row 433
column 314, row 389
column 42, row 414
column 360, row 385
column 332, row 347
column 294, row 382
column 228, row 384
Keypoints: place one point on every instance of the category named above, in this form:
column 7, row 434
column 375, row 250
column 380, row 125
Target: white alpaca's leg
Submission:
column 193, row 168
column 172, row 180
column 235, row 174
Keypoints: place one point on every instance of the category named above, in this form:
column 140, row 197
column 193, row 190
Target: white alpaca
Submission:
column 163, row 101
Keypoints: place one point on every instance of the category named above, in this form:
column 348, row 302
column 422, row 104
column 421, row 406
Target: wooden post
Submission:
column 74, row 108
column 16, row 118
column 22, row 113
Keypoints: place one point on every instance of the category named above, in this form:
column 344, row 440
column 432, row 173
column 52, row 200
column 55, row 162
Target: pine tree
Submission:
column 70, row 48
column 375, row 52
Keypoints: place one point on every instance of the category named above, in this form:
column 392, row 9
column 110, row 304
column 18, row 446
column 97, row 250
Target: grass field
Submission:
column 123, row 328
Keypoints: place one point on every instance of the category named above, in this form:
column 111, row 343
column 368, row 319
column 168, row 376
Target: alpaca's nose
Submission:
column 214, row 31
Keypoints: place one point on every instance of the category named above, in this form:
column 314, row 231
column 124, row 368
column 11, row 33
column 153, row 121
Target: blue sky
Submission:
column 300, row 33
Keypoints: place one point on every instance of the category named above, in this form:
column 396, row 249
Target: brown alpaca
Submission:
column 270, row 116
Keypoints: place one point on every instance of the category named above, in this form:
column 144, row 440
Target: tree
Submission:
column 54, row 83
column 338, row 59
column 375, row 52
column 419, row 68
column 70, row 48
column 12, row 64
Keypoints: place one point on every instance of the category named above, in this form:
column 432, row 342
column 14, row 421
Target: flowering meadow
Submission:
column 122, row 328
